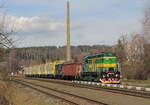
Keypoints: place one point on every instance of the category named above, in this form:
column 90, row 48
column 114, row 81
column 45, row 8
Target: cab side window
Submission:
column 90, row 61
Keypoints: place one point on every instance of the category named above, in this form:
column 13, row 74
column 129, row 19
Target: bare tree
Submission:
column 146, row 34
column 146, row 23
column 135, row 55
column 130, row 52
column 6, row 44
column 121, row 50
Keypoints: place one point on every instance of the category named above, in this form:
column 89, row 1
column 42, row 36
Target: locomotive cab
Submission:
column 101, row 67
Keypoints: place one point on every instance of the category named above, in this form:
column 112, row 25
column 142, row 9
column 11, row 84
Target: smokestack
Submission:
column 68, row 57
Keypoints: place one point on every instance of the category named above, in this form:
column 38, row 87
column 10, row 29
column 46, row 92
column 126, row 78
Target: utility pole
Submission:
column 68, row 57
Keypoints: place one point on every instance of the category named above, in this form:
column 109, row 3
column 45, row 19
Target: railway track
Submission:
column 113, row 90
column 43, row 89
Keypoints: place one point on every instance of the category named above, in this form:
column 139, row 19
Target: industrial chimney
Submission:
column 68, row 57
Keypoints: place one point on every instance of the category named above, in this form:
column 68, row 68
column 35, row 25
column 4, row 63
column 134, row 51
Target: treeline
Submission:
column 37, row 55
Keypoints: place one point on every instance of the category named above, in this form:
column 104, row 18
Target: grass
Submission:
column 137, row 82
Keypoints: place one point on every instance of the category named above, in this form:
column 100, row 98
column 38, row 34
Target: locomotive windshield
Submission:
column 111, row 69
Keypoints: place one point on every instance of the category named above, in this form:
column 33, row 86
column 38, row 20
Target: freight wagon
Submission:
column 42, row 70
column 69, row 71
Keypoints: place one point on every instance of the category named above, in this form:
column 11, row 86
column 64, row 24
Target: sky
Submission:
column 93, row 22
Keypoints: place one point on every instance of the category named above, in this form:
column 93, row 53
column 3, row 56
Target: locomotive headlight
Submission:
column 104, row 76
column 117, row 75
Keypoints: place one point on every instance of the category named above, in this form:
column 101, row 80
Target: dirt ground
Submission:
column 15, row 94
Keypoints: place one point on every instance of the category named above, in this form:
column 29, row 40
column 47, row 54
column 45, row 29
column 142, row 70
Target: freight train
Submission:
column 102, row 67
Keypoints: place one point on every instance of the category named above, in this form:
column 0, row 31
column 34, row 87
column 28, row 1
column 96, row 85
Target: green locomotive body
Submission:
column 101, row 67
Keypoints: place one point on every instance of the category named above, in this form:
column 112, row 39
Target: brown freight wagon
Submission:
column 71, row 70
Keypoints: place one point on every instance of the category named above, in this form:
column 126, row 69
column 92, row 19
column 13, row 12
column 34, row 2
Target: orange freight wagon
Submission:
column 71, row 70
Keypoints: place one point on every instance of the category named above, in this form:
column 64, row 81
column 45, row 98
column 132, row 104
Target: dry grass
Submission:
column 19, row 95
column 3, row 89
column 145, row 83
column 14, row 94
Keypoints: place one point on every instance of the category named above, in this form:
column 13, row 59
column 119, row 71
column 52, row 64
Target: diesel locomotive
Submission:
column 102, row 67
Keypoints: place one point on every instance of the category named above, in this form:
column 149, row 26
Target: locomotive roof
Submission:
column 103, row 54
column 63, row 63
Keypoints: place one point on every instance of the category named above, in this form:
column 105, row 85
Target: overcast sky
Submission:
column 43, row 22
